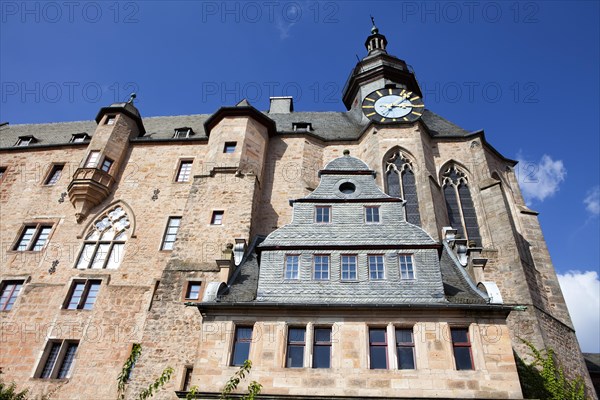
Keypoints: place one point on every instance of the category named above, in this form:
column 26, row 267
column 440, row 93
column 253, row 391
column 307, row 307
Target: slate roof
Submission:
column 347, row 163
column 327, row 126
column 458, row 287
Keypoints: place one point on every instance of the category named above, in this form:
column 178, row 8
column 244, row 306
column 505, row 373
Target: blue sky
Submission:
column 527, row 72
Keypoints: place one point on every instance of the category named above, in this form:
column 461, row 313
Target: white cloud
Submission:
column 582, row 294
column 592, row 201
column 539, row 180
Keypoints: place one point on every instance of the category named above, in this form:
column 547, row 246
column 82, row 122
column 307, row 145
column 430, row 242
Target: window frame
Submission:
column 367, row 208
column 383, row 272
column 317, row 343
column 32, row 243
column 410, row 345
column 188, row 370
column 79, row 137
column 92, row 162
column 182, row 176
column 229, row 146
column 329, row 214
column 54, row 168
column 106, row 164
column 297, row 269
column 244, row 340
column 217, row 216
column 111, row 119
column 167, row 234
column 377, row 345
column 314, row 274
column 83, row 299
column 355, row 279
column 462, row 345
column 412, row 264
column 187, row 290
column 56, row 369
column 24, row 141
column 98, row 243
column 295, row 343
column 3, row 285
column 182, row 133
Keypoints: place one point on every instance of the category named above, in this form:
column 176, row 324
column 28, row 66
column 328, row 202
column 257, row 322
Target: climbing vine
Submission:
column 123, row 377
column 254, row 387
column 157, row 384
column 544, row 378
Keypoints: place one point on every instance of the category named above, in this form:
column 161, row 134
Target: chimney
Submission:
column 281, row 105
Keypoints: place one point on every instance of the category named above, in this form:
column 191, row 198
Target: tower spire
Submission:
column 376, row 42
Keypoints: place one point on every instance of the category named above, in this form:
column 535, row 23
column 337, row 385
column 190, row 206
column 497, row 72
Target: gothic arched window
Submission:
column 461, row 211
column 401, row 183
column 105, row 241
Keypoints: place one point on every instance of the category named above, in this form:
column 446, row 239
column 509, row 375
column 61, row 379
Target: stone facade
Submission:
column 143, row 294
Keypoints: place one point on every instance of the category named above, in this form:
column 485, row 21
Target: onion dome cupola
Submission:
column 384, row 75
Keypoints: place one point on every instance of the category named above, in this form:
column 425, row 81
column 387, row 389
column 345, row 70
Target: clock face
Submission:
column 393, row 105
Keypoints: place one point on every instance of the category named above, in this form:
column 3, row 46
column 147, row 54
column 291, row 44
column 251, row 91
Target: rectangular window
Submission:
column 372, row 214
column 184, row 171
column 406, row 266
column 241, row 345
column 54, row 175
column 92, row 160
column 192, row 291
column 58, row 360
column 378, row 348
column 405, row 348
column 229, row 147
column 295, row 348
column 187, row 379
column 79, row 137
column 322, row 348
column 33, row 238
column 376, row 268
column 321, row 272
column 83, row 295
column 110, row 120
column 462, row 348
column 348, row 268
column 291, row 267
column 171, row 233
column 181, row 133
column 323, row 214
column 8, row 294
column 106, row 164
column 25, row 141
column 217, row 218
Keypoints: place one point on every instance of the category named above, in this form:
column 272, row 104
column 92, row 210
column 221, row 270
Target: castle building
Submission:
column 379, row 252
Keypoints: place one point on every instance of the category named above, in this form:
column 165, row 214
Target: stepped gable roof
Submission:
column 326, row 126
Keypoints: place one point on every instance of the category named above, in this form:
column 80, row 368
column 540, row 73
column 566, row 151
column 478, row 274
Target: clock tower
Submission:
column 381, row 87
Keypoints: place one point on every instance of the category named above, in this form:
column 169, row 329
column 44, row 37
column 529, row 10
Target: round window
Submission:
column 347, row 188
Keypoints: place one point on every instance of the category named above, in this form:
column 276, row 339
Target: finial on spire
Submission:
column 374, row 29
column 131, row 97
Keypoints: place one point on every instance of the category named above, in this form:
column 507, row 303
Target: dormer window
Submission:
column 302, row 126
column 110, row 120
column 79, row 137
column 25, row 141
column 372, row 214
column 182, row 133
column 322, row 214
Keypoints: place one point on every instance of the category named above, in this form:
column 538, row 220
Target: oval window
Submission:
column 347, row 188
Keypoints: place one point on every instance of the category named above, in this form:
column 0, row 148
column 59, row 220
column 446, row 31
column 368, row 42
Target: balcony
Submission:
column 88, row 188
